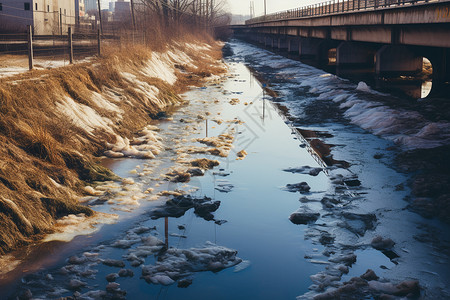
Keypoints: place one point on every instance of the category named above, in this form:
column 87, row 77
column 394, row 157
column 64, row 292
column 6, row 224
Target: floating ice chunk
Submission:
column 363, row 87
column 245, row 264
column 175, row 264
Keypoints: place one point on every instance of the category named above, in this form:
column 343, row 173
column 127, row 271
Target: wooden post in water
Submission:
column 166, row 232
column 30, row 47
column 69, row 32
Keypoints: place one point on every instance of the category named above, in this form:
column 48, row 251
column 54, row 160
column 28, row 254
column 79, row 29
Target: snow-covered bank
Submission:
column 54, row 122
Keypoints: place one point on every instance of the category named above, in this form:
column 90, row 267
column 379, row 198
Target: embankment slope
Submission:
column 55, row 123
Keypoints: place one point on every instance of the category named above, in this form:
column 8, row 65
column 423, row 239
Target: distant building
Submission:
column 46, row 16
column 90, row 5
column 80, row 10
column 122, row 11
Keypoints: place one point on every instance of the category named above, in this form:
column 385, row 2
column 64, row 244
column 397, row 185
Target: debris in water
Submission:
column 241, row 155
column 381, row 243
column 177, row 207
column 305, row 170
column 304, row 215
column 204, row 163
column 177, row 264
column 234, row 101
column 301, row 187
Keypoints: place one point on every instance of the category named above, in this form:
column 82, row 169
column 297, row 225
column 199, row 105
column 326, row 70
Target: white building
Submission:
column 47, row 17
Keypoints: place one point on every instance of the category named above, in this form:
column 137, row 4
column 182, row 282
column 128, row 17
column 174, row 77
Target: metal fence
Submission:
column 334, row 7
column 33, row 50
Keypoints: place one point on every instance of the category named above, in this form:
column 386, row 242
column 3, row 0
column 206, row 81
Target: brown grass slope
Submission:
column 47, row 158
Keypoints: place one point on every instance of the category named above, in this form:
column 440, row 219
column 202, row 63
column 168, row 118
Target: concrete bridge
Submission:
column 389, row 37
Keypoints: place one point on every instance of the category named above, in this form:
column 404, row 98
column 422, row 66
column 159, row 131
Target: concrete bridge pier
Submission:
column 309, row 48
column 352, row 56
column 282, row 44
column 440, row 61
column 260, row 38
column 393, row 61
column 293, row 45
column 268, row 41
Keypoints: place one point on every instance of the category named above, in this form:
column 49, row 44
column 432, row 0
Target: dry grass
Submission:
column 47, row 158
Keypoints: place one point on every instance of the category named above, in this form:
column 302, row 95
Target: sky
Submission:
column 242, row 7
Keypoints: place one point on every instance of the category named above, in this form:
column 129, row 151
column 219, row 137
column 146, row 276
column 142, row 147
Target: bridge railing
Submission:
column 333, row 7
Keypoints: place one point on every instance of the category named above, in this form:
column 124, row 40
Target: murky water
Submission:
column 353, row 205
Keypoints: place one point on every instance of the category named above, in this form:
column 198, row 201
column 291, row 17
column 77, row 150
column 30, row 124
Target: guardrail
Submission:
column 334, row 7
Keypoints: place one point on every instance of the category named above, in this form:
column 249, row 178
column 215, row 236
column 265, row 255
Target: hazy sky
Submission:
column 242, row 7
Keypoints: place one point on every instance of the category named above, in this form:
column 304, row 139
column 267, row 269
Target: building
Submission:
column 91, row 5
column 122, row 11
column 47, row 17
column 80, row 10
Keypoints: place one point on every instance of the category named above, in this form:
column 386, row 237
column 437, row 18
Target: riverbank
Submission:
column 55, row 123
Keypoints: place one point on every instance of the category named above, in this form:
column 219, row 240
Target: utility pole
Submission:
column 132, row 14
column 100, row 16
column 30, row 46
column 265, row 7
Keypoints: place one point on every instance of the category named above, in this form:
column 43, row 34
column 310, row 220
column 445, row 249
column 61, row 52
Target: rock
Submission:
column 381, row 243
column 112, row 287
column 76, row 284
column 196, row 172
column 369, row 275
column 126, row 273
column 409, row 288
column 113, row 263
column 142, row 229
column 315, row 171
column 326, row 238
column 224, row 186
column 355, row 288
column 178, row 206
column 205, row 210
column 301, row 187
column 242, row 154
column 75, row 260
column 352, row 182
column 179, row 176
column 204, row 163
column 305, row 170
column 358, row 223
column 346, row 259
column 378, row 155
column 184, row 283
column 112, row 277
column 176, row 264
column 304, row 216
column 181, row 227
column 329, row 202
